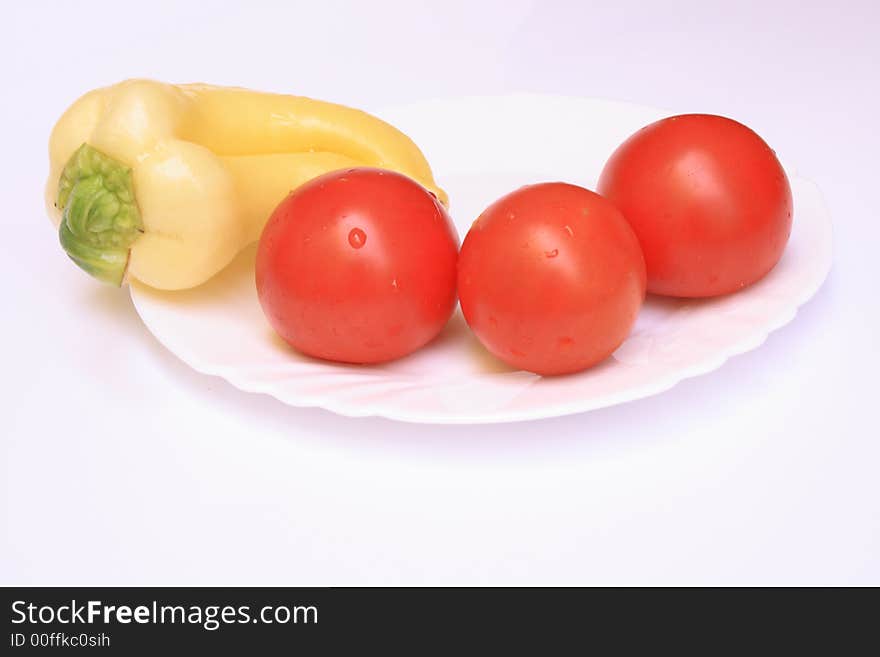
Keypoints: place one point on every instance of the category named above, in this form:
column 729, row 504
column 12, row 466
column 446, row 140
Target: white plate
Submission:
column 481, row 148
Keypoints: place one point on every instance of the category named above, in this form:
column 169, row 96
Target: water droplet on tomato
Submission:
column 357, row 238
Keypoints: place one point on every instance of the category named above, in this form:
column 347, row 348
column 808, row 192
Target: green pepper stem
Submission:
column 100, row 219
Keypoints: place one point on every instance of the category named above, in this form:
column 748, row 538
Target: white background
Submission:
column 122, row 466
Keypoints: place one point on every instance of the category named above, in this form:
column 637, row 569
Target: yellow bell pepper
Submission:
column 167, row 183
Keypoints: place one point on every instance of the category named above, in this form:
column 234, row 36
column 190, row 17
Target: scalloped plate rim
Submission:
column 642, row 392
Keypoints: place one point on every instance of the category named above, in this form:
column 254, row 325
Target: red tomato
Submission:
column 358, row 266
column 551, row 278
column 708, row 199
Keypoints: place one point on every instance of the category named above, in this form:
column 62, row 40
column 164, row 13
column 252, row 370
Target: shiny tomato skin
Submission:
column 551, row 278
column 358, row 266
column 708, row 199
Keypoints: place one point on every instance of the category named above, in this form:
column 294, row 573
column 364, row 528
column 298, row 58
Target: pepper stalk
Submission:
column 100, row 220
